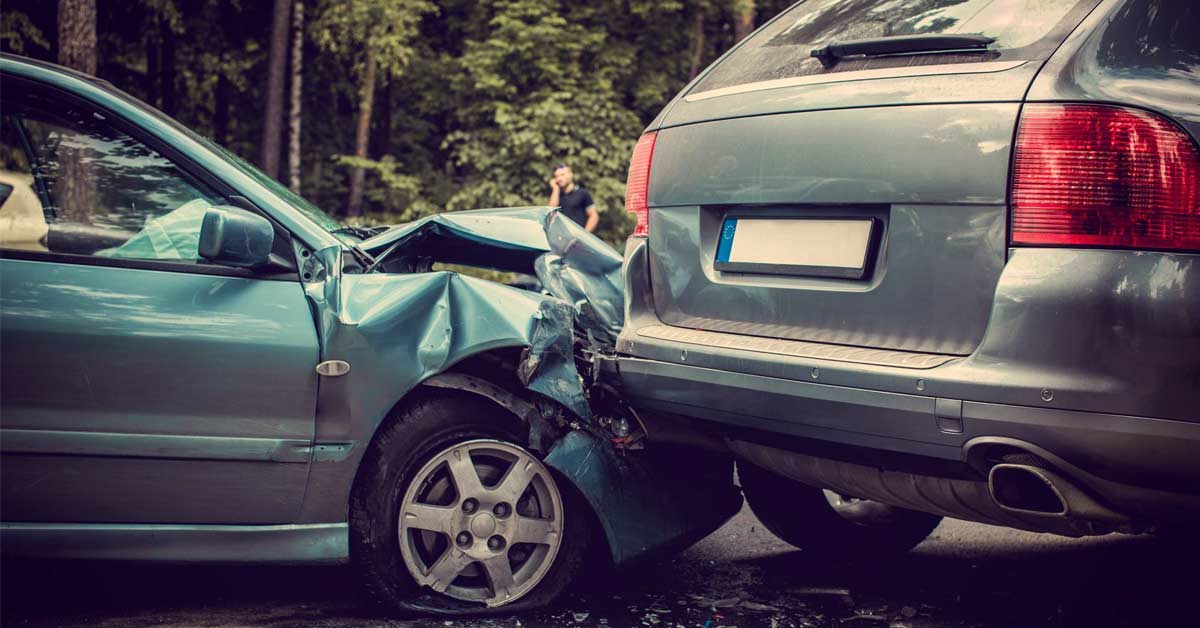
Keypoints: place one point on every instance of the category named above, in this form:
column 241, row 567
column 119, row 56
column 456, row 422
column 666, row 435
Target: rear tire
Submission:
column 406, row 451
column 802, row 516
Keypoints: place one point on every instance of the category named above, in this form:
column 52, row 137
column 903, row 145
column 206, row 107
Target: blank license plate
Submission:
column 821, row 247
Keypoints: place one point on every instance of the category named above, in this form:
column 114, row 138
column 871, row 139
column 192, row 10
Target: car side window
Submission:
column 83, row 186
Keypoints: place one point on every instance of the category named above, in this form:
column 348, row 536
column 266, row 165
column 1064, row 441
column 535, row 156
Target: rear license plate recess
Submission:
column 841, row 247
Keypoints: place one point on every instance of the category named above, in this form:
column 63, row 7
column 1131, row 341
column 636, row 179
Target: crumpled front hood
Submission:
column 406, row 328
column 570, row 263
column 506, row 239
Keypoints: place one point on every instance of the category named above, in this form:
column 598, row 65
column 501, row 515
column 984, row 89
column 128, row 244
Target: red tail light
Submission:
column 637, row 184
column 1098, row 175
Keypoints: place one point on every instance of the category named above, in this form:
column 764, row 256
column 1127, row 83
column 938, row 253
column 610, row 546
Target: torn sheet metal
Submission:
column 505, row 239
column 585, row 271
column 571, row 264
column 412, row 326
column 647, row 503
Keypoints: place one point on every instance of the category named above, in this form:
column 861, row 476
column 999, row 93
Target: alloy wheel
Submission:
column 481, row 522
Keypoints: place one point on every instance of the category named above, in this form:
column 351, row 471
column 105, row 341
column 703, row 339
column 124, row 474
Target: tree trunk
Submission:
column 167, row 67
column 361, row 135
column 276, row 75
column 152, row 71
column 75, row 192
column 297, row 92
column 77, row 35
column 224, row 86
column 383, row 130
column 698, row 41
column 221, row 108
column 744, row 24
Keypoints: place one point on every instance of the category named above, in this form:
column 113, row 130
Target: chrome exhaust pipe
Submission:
column 1031, row 490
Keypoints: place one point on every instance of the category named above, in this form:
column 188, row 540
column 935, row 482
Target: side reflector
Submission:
column 637, row 184
column 1100, row 175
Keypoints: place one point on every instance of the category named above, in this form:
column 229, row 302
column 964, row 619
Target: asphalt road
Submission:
column 964, row 575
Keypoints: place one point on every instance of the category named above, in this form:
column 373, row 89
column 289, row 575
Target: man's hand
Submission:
column 554, row 194
column 553, row 185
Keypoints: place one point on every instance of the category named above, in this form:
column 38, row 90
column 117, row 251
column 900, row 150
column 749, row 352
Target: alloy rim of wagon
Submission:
column 481, row 522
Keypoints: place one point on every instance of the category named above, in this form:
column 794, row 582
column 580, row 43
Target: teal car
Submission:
column 199, row 366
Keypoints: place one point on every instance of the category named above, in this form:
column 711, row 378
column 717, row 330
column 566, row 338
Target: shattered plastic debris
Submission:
column 833, row 591
column 867, row 617
column 755, row 606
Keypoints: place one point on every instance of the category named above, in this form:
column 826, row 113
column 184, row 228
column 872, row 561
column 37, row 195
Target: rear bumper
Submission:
column 1124, row 435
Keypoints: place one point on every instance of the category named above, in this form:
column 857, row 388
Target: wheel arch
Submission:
column 491, row 375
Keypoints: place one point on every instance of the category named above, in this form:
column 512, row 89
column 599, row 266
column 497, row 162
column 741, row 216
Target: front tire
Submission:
column 805, row 517
column 452, row 515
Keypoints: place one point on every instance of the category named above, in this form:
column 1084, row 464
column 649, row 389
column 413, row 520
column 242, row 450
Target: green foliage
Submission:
column 475, row 102
column 350, row 29
column 19, row 34
column 391, row 188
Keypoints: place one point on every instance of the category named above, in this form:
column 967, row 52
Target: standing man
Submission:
column 574, row 200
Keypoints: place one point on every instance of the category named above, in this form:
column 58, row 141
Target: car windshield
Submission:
column 781, row 50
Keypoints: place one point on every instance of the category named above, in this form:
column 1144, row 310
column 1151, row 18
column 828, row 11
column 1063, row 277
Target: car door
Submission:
column 140, row 383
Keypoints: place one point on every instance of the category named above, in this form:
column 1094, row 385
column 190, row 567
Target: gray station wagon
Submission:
column 910, row 259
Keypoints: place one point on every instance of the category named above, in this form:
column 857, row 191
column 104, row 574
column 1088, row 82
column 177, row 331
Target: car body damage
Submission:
column 660, row 498
column 570, row 263
column 409, row 325
column 427, row 321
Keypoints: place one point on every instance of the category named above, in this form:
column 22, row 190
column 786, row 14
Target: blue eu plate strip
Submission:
column 726, row 243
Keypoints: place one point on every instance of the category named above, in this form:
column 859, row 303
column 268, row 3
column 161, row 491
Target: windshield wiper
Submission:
column 364, row 259
column 362, row 233
column 831, row 52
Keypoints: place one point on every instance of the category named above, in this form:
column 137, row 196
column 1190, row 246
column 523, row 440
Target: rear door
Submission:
column 861, row 202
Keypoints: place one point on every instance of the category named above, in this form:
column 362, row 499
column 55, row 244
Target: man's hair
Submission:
column 559, row 167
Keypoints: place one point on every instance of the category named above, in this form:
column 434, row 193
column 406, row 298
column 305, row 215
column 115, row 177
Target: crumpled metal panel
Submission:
column 422, row 323
column 584, row 271
column 506, row 239
column 652, row 502
column 571, row 264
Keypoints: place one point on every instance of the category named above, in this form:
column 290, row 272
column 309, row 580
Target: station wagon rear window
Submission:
column 782, row 49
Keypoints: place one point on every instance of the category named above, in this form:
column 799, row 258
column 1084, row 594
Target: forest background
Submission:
column 383, row 111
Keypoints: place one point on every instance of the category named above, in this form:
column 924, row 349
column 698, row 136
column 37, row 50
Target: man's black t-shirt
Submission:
column 575, row 203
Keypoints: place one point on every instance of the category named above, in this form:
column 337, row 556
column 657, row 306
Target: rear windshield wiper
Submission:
column 831, row 52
